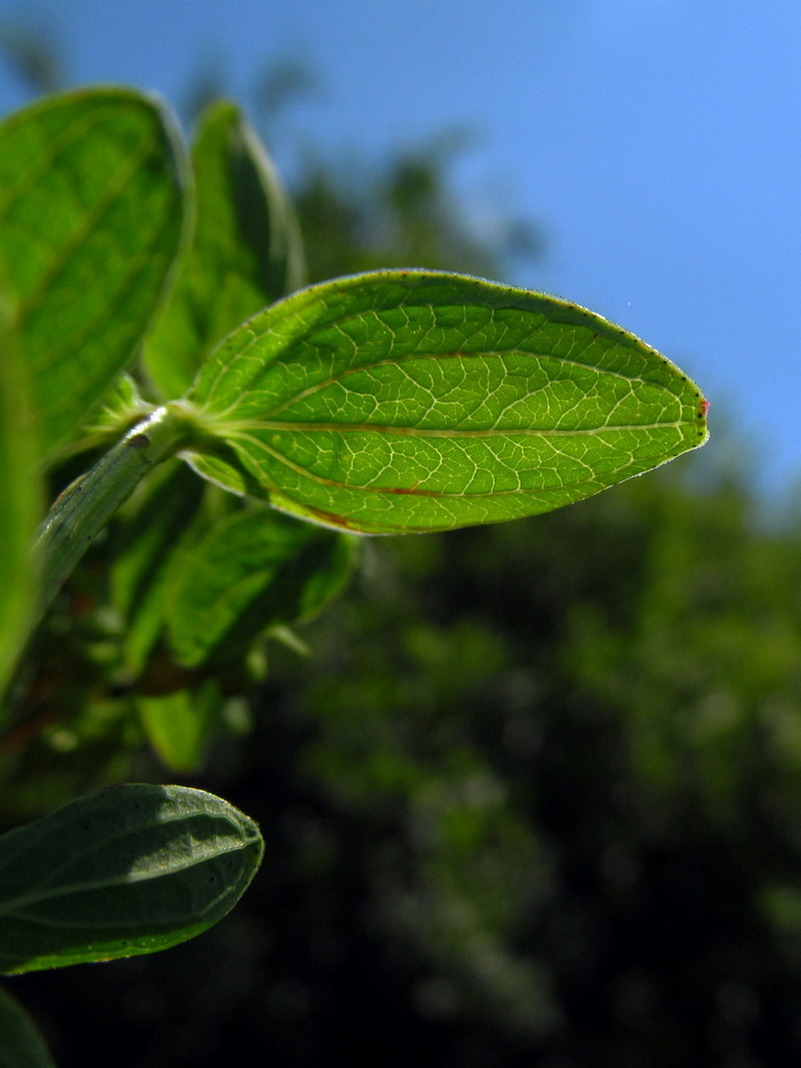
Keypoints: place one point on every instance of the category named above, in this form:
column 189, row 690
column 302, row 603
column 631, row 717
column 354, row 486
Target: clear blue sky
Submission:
column 658, row 143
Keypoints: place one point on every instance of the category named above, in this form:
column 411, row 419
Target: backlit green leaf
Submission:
column 21, row 1043
column 131, row 870
column 91, row 218
column 253, row 570
column 412, row 401
column 246, row 251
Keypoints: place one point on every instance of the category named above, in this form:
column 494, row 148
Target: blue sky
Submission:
column 657, row 143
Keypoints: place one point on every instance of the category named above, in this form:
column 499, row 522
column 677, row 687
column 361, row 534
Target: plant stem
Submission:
column 84, row 508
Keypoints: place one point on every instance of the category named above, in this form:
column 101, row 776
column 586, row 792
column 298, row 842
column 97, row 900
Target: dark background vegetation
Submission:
column 534, row 797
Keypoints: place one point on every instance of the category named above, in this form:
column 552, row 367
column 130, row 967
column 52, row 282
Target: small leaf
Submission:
column 91, row 220
column 411, row 401
column 253, row 570
column 21, row 1043
column 246, row 250
column 180, row 725
column 131, row 870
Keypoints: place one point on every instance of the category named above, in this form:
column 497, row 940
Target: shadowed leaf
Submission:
column 149, row 538
column 131, row 870
column 21, row 1044
column 253, row 570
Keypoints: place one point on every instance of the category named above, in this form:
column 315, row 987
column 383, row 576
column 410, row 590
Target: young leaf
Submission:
column 121, row 406
column 246, row 251
column 411, row 401
column 253, row 570
column 21, row 1043
column 91, row 220
column 131, row 870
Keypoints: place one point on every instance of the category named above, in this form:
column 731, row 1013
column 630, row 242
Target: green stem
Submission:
column 86, row 506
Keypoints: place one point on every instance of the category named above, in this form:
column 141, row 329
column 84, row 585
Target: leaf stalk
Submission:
column 86, row 506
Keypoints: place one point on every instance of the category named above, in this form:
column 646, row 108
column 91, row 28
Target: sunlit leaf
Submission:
column 21, row 1043
column 412, row 401
column 131, row 870
column 21, row 506
column 253, row 570
column 246, row 251
column 91, row 220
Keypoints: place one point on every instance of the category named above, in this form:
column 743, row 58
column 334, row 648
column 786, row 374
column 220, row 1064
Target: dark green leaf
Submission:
column 131, row 870
column 413, row 401
column 91, row 218
column 246, row 251
column 253, row 570
column 21, row 1044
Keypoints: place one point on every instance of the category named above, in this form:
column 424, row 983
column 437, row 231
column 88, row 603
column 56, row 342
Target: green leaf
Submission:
column 180, row 725
column 253, row 570
column 246, row 250
column 21, row 509
column 131, row 870
column 22, row 1044
column 411, row 401
column 91, row 220
column 148, row 537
